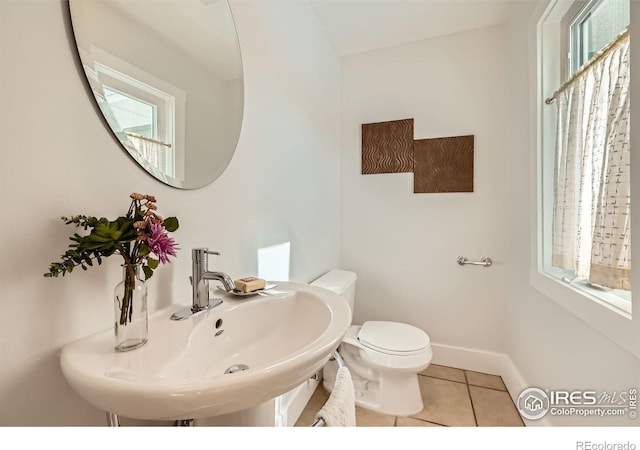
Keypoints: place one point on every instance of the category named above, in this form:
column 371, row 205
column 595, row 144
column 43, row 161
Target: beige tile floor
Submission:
column 451, row 397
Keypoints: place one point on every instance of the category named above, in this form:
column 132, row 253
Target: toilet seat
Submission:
column 393, row 338
column 402, row 362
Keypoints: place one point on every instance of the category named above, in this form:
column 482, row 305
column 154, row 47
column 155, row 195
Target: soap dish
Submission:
column 247, row 294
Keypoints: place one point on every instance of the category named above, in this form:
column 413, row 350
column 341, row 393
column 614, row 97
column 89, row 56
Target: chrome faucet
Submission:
column 201, row 277
column 200, row 284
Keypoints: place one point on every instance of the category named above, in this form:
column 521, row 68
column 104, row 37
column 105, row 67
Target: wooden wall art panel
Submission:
column 443, row 165
column 387, row 147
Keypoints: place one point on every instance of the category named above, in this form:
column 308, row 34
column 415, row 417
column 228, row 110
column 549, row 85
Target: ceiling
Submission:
column 203, row 28
column 357, row 26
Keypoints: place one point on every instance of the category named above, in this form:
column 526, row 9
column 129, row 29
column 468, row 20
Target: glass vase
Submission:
column 130, row 308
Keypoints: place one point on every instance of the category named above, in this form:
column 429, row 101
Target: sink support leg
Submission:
column 184, row 423
column 113, row 420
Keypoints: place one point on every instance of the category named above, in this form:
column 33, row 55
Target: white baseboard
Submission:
column 486, row 362
column 515, row 384
column 468, row 359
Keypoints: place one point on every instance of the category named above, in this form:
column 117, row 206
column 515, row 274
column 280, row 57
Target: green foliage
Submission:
column 170, row 224
column 127, row 235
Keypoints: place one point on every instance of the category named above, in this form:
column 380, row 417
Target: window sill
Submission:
column 608, row 299
column 614, row 322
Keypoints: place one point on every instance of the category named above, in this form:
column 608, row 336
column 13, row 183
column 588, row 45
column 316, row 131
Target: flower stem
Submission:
column 126, row 309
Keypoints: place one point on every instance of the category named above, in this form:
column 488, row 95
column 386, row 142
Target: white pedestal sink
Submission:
column 234, row 356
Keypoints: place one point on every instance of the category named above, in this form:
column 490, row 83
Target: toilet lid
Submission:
column 392, row 337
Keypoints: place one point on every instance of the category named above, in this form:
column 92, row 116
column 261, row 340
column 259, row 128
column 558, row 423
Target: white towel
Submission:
column 340, row 409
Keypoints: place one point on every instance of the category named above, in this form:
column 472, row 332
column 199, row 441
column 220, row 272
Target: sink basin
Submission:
column 232, row 357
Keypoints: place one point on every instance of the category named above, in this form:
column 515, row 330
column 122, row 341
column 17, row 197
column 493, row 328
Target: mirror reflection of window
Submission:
column 133, row 114
column 143, row 114
column 157, row 154
column 139, row 119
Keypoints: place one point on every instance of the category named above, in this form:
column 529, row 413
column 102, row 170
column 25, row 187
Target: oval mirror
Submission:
column 167, row 77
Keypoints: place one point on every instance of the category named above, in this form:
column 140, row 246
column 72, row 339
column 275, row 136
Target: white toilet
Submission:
column 384, row 358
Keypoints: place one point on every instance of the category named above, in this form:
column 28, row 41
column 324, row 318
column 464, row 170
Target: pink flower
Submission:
column 160, row 244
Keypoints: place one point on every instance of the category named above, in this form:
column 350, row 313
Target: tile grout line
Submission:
column 440, row 378
column 465, row 382
column 487, row 387
column 473, row 409
column 429, row 421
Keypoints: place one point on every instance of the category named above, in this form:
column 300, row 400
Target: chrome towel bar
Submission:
column 484, row 261
column 338, row 357
column 335, row 355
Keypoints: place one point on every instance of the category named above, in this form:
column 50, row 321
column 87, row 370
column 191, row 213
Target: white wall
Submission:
column 58, row 158
column 550, row 347
column 402, row 245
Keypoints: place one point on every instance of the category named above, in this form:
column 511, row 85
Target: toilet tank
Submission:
column 342, row 282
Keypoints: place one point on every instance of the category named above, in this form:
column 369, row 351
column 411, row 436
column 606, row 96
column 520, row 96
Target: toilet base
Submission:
column 393, row 394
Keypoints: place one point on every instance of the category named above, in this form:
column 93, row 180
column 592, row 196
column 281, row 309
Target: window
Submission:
column 586, row 201
column 606, row 310
column 596, row 24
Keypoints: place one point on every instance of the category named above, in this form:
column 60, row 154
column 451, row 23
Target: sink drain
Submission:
column 237, row 368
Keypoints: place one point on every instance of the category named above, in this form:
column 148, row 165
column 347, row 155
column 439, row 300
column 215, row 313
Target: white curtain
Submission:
column 155, row 154
column 591, row 221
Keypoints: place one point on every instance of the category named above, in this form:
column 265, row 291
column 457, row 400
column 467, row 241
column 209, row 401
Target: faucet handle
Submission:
column 199, row 252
